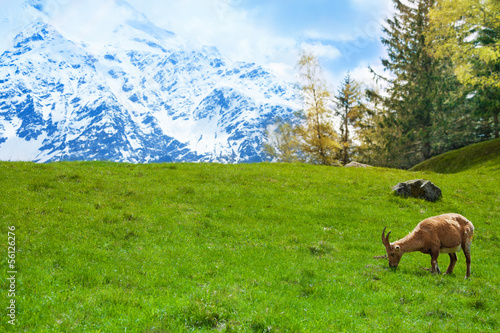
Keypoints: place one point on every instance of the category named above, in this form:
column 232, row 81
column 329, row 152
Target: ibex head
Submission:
column 394, row 252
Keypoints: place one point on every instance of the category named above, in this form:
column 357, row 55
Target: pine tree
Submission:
column 378, row 133
column 425, row 110
column 487, row 102
column 349, row 110
column 412, row 89
column 417, row 98
column 319, row 139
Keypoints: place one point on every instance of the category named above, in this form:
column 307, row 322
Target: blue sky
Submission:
column 344, row 34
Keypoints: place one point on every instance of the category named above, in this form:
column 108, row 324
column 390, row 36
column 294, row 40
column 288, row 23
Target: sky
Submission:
column 343, row 34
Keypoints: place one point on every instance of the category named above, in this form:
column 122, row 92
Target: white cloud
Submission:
column 328, row 36
column 375, row 13
column 92, row 20
column 283, row 70
column 247, row 33
column 363, row 76
column 370, row 5
column 327, row 52
column 241, row 31
column 231, row 28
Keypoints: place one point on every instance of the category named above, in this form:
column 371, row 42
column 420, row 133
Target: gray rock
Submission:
column 418, row 188
column 356, row 165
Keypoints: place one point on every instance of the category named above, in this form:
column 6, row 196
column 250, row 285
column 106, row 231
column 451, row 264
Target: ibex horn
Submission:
column 385, row 239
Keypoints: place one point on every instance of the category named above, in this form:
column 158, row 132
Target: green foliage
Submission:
column 425, row 110
column 378, row 144
column 239, row 248
column 485, row 154
column 468, row 32
column 414, row 86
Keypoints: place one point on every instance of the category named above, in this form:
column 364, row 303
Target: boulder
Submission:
column 356, row 165
column 418, row 188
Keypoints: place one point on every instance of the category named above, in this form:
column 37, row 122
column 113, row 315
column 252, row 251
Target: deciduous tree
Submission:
column 282, row 143
column 468, row 32
column 319, row 140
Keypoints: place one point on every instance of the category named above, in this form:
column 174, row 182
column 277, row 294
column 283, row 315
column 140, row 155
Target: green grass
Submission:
column 485, row 155
column 106, row 247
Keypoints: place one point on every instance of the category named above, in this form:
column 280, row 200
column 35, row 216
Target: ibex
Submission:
column 447, row 233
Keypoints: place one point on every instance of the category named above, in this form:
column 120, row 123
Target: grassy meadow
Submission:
column 108, row 247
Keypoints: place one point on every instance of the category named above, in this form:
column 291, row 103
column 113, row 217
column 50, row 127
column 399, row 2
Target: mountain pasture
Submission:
column 115, row 247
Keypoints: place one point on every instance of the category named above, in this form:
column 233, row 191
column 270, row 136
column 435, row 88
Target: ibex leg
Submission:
column 453, row 261
column 466, row 248
column 434, row 262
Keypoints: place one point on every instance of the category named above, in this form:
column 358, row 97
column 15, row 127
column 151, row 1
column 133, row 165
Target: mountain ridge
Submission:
column 148, row 96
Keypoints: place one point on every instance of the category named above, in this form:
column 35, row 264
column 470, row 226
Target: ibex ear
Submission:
column 397, row 248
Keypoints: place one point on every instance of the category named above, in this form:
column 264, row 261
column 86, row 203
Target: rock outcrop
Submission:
column 418, row 188
column 356, row 165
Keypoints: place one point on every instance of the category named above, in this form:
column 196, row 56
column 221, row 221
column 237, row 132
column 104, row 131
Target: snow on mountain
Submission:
column 142, row 94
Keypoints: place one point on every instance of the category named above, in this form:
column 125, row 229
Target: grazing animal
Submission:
column 447, row 233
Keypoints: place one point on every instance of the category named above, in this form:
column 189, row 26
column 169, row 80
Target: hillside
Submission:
column 484, row 154
column 238, row 248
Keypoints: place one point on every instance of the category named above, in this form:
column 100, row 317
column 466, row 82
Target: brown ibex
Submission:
column 447, row 233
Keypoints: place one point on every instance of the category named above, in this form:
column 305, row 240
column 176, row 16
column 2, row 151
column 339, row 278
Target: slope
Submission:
column 484, row 154
column 116, row 247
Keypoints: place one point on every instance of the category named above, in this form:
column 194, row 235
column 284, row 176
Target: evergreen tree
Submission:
column 379, row 133
column 487, row 102
column 413, row 86
column 430, row 107
column 349, row 110
column 417, row 113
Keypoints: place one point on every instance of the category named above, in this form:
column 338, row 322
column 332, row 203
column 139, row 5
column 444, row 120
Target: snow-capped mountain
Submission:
column 138, row 93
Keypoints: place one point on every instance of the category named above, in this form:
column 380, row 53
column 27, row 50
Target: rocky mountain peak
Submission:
column 142, row 94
